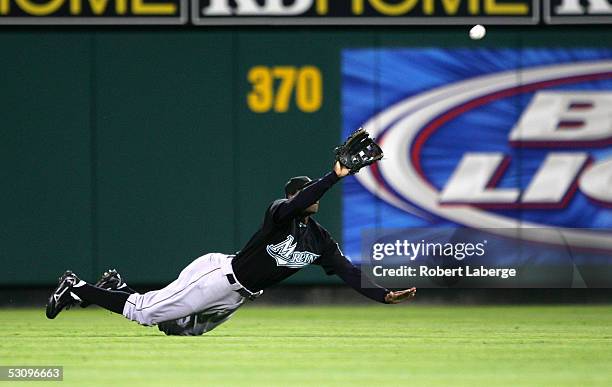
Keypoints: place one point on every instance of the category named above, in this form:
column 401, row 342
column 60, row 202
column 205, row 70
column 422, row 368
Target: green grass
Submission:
column 369, row 346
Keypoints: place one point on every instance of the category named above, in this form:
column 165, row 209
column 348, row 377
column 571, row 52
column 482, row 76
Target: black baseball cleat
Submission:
column 61, row 297
column 110, row 280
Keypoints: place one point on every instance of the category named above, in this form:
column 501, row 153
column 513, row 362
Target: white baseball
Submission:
column 477, row 32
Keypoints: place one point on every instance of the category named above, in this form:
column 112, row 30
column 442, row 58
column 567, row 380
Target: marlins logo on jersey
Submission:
column 285, row 255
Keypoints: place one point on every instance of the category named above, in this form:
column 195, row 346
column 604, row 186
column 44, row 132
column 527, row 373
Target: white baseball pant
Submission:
column 202, row 287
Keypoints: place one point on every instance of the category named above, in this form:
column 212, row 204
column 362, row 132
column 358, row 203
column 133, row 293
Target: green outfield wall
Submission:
column 143, row 149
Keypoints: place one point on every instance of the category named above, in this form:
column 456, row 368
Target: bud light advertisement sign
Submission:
column 508, row 146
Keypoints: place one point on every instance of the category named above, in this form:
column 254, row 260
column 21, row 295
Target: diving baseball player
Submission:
column 210, row 289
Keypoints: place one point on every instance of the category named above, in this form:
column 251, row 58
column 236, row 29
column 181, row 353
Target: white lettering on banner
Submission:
column 554, row 178
column 469, row 181
column 565, row 116
column 573, row 7
column 252, row 8
column 596, row 182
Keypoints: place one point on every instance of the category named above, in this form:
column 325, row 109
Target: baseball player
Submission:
column 212, row 287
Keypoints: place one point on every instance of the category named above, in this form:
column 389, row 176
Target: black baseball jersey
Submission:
column 284, row 244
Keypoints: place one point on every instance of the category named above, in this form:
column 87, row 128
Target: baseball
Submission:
column 477, row 32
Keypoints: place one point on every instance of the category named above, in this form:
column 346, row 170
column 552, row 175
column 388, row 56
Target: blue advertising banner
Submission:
column 496, row 139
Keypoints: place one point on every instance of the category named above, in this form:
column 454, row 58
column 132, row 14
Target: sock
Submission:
column 112, row 300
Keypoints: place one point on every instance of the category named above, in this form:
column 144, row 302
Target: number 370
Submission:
column 265, row 96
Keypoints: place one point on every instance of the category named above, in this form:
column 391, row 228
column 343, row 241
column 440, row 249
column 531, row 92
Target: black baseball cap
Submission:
column 297, row 183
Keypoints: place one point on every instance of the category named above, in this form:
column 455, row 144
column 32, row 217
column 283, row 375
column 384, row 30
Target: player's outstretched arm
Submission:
column 309, row 195
column 358, row 151
column 334, row 262
column 351, row 275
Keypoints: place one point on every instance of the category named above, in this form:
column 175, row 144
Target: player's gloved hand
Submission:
column 358, row 151
column 400, row 296
column 341, row 170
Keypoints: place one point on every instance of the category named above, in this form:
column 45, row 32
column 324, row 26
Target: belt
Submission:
column 242, row 291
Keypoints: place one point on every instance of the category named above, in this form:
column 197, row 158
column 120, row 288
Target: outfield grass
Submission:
column 369, row 346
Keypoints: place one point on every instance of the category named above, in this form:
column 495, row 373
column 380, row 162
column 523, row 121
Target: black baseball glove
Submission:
column 358, row 151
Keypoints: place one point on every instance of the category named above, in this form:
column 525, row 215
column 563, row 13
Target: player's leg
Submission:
column 201, row 287
column 195, row 324
column 192, row 325
column 110, row 280
column 71, row 289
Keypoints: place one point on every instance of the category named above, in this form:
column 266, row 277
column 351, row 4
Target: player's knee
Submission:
column 186, row 326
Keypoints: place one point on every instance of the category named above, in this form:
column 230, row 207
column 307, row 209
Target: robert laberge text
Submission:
column 437, row 271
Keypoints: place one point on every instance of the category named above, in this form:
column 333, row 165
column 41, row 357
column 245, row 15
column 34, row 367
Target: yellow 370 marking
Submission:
column 272, row 88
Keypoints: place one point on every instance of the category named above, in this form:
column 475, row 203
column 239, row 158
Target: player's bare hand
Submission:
column 400, row 296
column 341, row 170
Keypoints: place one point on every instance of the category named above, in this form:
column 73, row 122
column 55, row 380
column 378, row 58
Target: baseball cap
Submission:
column 297, row 183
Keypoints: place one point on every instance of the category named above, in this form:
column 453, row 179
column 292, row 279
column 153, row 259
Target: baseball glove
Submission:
column 358, row 151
